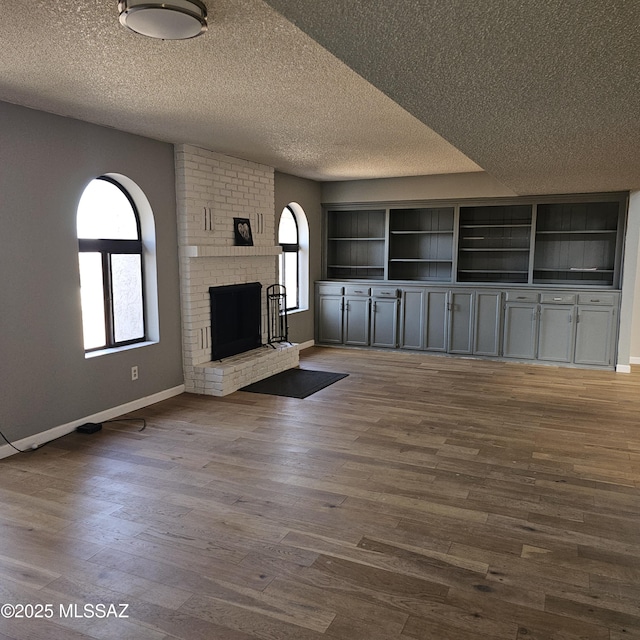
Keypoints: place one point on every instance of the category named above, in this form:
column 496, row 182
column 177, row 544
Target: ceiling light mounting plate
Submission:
column 169, row 20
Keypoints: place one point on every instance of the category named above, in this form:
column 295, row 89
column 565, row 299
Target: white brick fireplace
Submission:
column 212, row 189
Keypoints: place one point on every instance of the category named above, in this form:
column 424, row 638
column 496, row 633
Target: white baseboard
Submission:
column 623, row 368
column 39, row 439
column 306, row 345
column 634, row 360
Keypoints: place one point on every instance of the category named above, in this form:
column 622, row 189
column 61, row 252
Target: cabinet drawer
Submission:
column 607, row 299
column 521, row 296
column 330, row 289
column 356, row 290
column 558, row 298
column 384, row 292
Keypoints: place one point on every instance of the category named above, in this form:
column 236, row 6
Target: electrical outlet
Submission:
column 134, row 372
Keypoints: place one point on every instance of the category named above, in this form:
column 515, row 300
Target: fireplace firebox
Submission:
column 235, row 319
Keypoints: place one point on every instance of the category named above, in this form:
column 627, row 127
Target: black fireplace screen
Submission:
column 235, row 319
column 277, row 328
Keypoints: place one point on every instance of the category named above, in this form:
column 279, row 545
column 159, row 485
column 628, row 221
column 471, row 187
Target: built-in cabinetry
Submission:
column 384, row 317
column 560, row 240
column 357, row 315
column 548, row 325
column 329, row 309
column 596, row 318
column 520, row 324
column 487, row 326
column 527, row 278
column 577, row 328
column 450, row 321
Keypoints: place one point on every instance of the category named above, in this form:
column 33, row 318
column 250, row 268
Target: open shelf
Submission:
column 575, row 233
column 421, row 243
column 579, row 235
column 413, row 233
column 417, row 260
column 360, row 272
column 578, row 217
column 357, row 239
column 493, row 250
column 494, row 243
column 424, row 270
column 492, row 275
column 496, row 226
column 356, row 243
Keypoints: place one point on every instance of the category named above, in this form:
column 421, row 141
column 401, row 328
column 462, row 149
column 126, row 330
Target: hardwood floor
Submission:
column 421, row 497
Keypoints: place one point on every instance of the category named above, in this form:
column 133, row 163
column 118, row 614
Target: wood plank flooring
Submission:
column 420, row 497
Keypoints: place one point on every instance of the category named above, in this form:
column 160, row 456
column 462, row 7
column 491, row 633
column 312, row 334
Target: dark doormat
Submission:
column 295, row 383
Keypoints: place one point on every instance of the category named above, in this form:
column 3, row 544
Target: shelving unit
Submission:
column 356, row 244
column 546, row 240
column 576, row 243
column 532, row 278
column 421, row 244
column 494, row 243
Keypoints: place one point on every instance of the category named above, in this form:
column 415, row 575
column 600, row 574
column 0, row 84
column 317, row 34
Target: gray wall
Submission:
column 438, row 187
column 306, row 193
column 45, row 163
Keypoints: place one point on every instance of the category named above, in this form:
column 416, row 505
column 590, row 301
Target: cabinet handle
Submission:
column 557, row 299
column 358, row 291
column 577, row 318
column 570, row 318
column 595, row 300
column 375, row 304
column 521, row 297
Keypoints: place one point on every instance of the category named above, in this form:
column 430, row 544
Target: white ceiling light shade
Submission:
column 171, row 20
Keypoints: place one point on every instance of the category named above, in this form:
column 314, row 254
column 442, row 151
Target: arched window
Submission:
column 111, row 266
column 289, row 240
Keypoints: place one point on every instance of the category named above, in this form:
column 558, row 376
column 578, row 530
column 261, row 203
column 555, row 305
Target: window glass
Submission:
column 126, row 283
column 106, row 212
column 290, row 278
column 288, row 230
column 92, row 297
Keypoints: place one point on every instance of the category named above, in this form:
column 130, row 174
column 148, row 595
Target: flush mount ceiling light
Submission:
column 171, row 20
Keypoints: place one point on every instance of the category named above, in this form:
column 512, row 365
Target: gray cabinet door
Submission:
column 520, row 330
column 330, row 319
column 555, row 335
column 356, row 320
column 384, row 323
column 488, row 307
column 594, row 335
column 436, row 320
column 460, row 322
column 412, row 319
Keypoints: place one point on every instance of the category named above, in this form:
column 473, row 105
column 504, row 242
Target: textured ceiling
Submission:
column 254, row 87
column 544, row 95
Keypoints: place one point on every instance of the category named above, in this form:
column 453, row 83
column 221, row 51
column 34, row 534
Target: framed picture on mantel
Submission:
column 242, row 230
